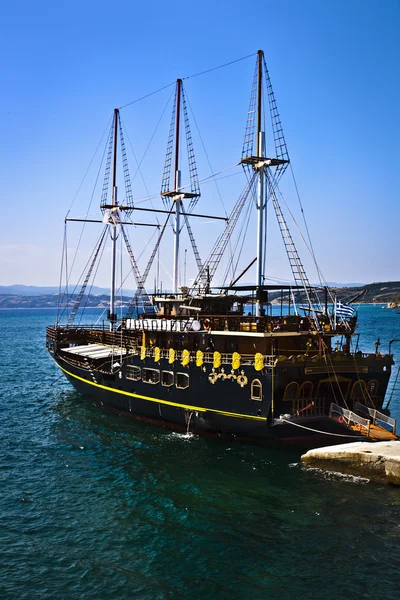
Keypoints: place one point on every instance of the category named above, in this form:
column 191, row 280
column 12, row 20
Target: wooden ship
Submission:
column 266, row 363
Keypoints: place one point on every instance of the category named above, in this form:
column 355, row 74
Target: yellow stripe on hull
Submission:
column 167, row 402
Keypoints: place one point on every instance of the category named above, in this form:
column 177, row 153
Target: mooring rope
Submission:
column 317, row 430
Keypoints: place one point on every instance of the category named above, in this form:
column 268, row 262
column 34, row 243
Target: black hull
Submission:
column 223, row 409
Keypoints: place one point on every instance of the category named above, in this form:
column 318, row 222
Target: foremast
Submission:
column 114, row 203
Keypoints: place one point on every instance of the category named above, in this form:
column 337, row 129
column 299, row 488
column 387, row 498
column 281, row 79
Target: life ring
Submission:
column 207, row 324
column 340, row 419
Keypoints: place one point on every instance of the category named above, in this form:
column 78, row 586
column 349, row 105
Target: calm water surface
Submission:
column 96, row 507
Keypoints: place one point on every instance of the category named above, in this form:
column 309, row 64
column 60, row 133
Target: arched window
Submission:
column 372, row 387
column 291, row 391
column 256, row 390
column 306, row 389
column 359, row 390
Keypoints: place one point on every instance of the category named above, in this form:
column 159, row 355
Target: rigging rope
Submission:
column 64, row 250
column 147, row 95
column 232, row 62
column 90, row 164
column 212, row 176
column 91, row 285
column 242, row 234
column 164, row 87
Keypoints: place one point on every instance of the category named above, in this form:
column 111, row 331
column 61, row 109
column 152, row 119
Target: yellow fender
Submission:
column 157, row 354
column 199, row 358
column 185, row 357
column 259, row 362
column 171, row 356
column 217, row 360
column 236, row 360
column 142, row 352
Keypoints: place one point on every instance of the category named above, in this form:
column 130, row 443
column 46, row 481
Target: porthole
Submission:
column 167, row 378
column 133, row 372
column 182, row 381
column 151, row 376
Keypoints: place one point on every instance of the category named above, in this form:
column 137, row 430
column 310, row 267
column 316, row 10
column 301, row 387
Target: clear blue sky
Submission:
column 335, row 71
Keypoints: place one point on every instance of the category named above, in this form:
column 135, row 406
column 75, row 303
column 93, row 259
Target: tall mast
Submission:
column 266, row 180
column 177, row 184
column 260, row 166
column 114, row 203
column 171, row 187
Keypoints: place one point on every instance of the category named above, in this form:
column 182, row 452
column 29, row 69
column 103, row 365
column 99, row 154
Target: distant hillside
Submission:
column 32, row 290
column 51, row 301
column 384, row 292
column 378, row 293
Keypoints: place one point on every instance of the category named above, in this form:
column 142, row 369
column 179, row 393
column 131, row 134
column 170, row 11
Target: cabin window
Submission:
column 372, row 387
column 256, row 390
column 291, row 391
column 182, row 381
column 306, row 389
column 151, row 376
column 167, row 378
column 359, row 390
column 133, row 372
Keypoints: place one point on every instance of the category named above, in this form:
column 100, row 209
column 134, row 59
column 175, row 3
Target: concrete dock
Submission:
column 379, row 461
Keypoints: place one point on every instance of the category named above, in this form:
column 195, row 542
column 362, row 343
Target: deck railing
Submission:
column 307, row 407
column 131, row 339
column 350, row 418
column 377, row 418
column 250, row 323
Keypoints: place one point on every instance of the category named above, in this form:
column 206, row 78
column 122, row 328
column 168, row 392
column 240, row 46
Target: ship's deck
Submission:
column 95, row 351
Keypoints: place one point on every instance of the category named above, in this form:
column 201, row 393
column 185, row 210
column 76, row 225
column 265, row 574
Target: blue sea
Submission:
column 93, row 506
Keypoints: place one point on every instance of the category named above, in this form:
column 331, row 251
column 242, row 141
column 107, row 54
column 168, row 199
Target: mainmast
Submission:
column 177, row 183
column 173, row 191
column 113, row 223
column 260, row 167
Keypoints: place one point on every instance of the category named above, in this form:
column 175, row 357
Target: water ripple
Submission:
column 96, row 507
